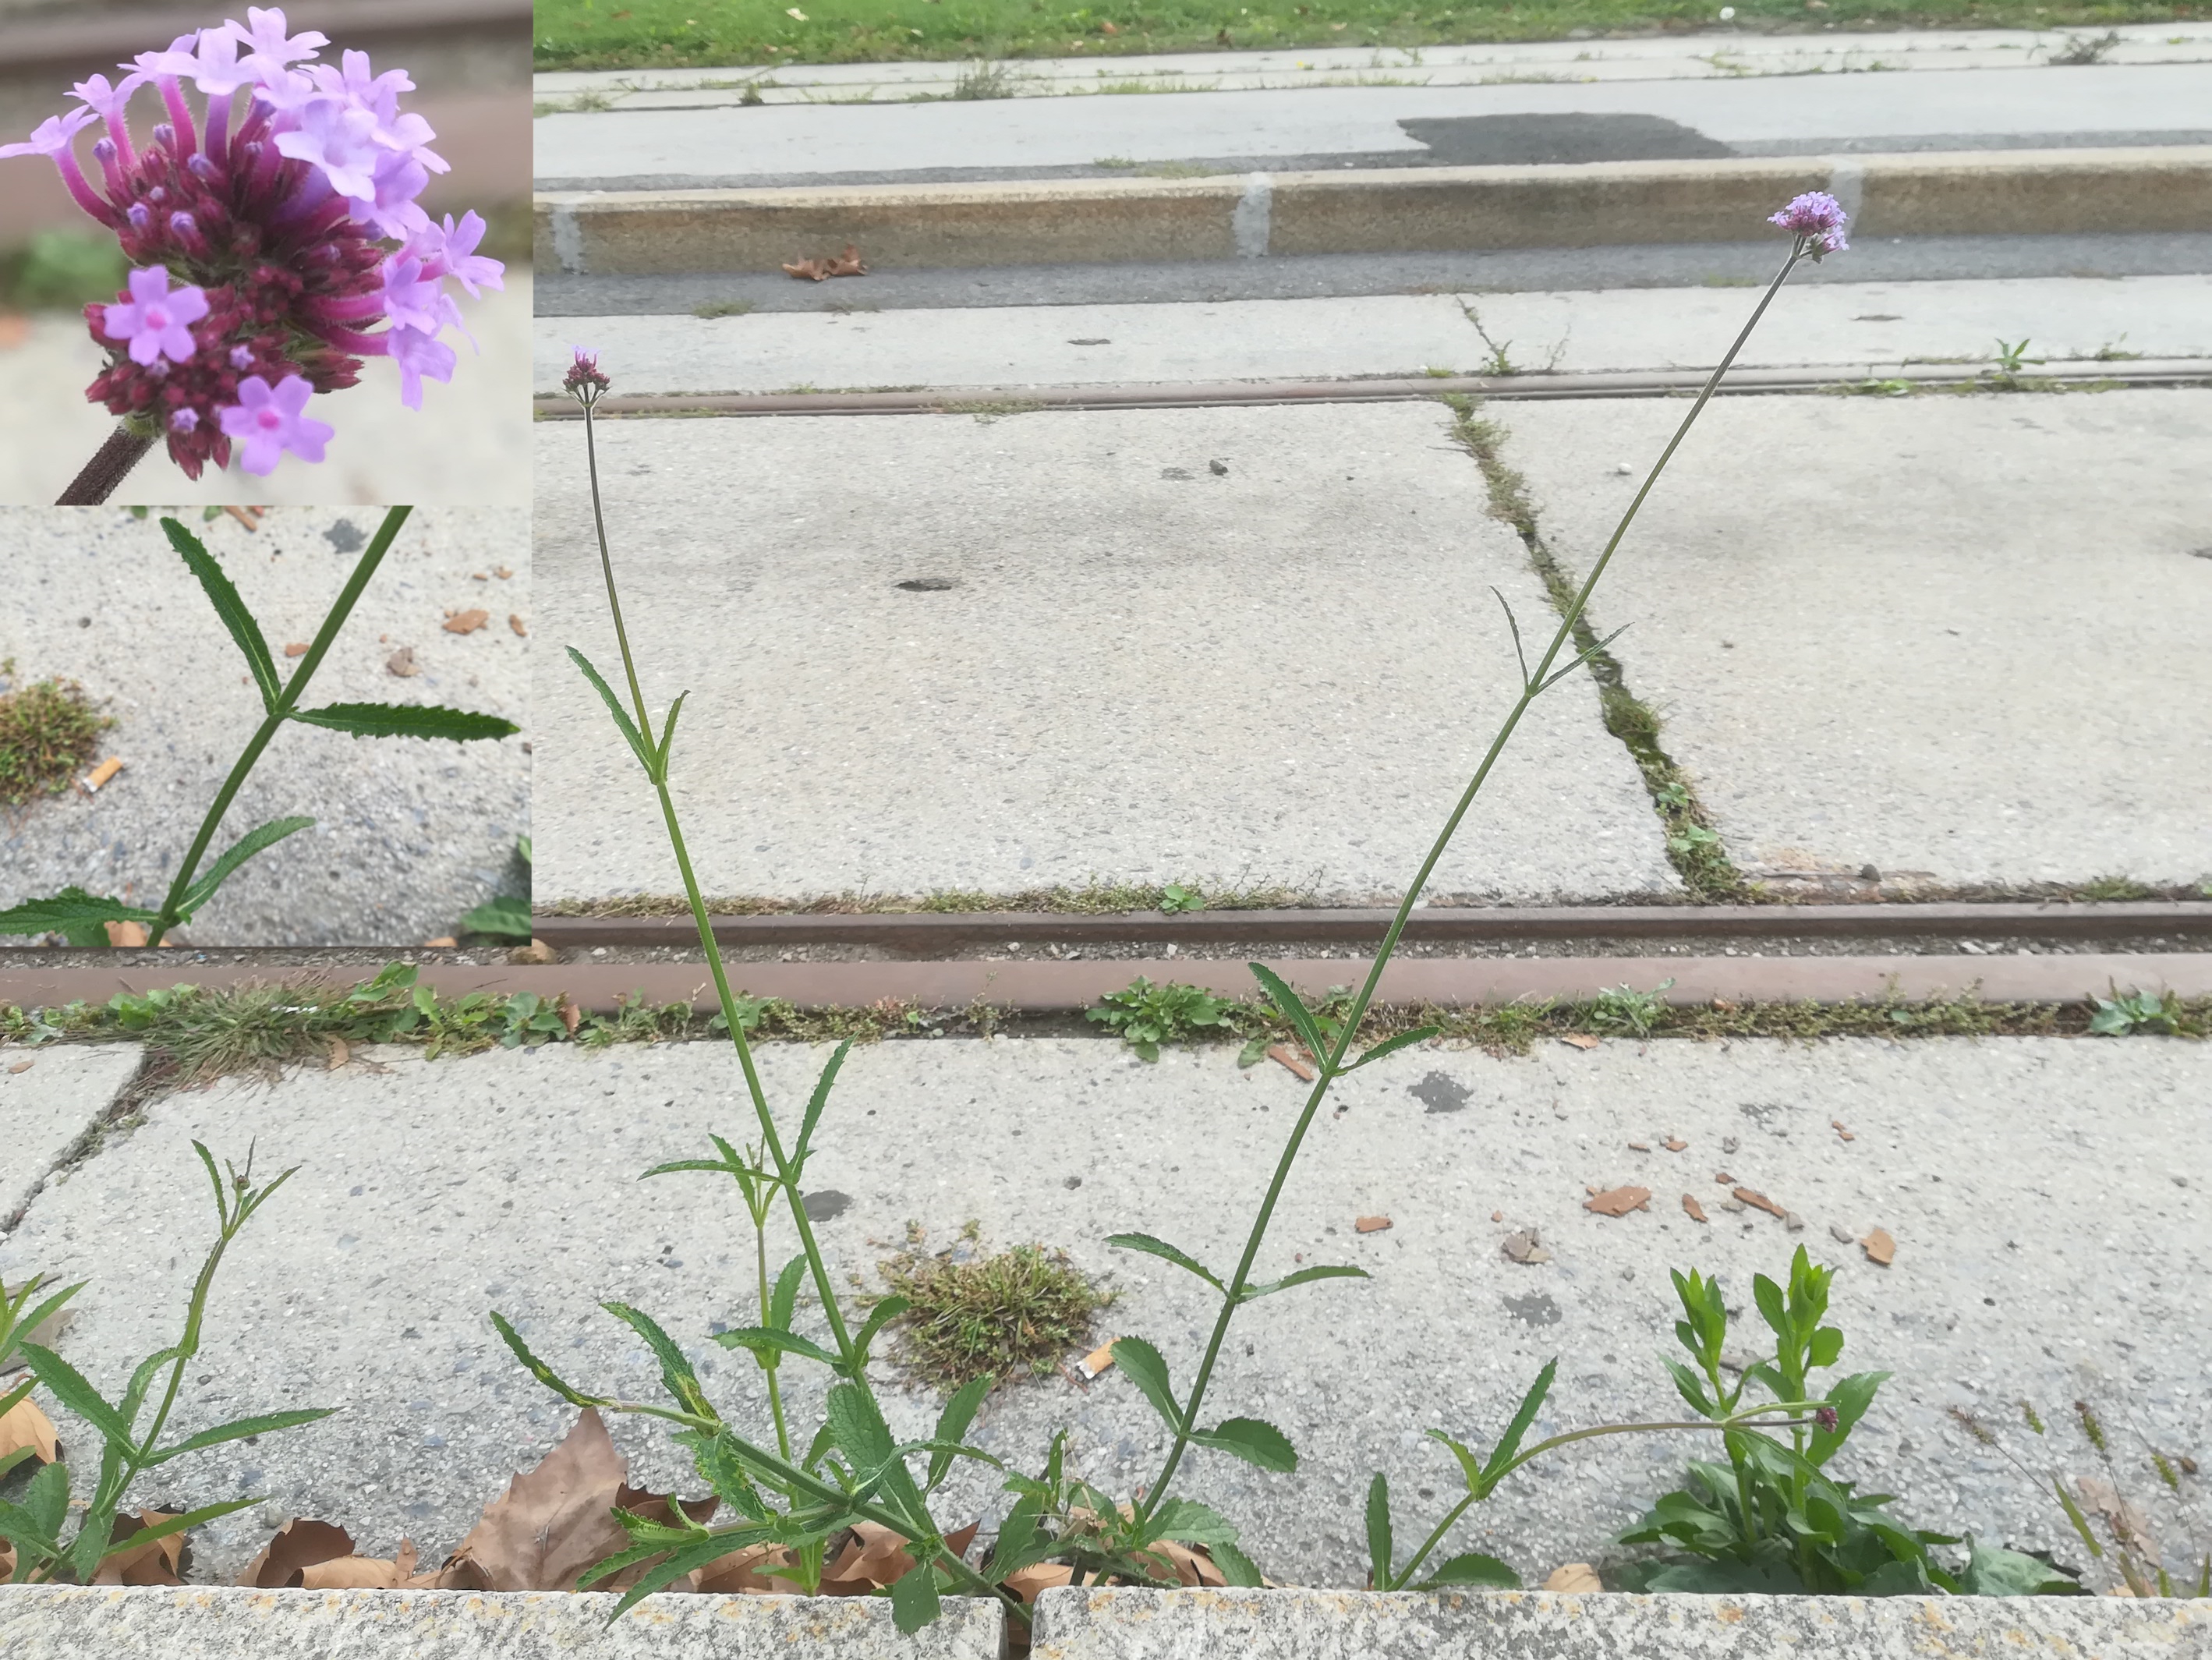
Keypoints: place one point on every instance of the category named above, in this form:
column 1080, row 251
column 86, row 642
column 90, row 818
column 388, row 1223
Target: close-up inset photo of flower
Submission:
column 263, row 259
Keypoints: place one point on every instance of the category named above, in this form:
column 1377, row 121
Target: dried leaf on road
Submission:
column 1695, row 1210
column 1026, row 1583
column 1880, row 1247
column 465, row 621
column 126, row 933
column 24, row 1424
column 808, row 270
column 552, row 1523
column 537, row 953
column 1525, row 1247
column 1581, row 1040
column 872, row 1559
column 159, row 1563
column 749, row 1572
column 299, row 1545
column 1574, row 1576
column 1619, row 1202
column 848, row 264
column 1370, row 1224
column 1294, row 1057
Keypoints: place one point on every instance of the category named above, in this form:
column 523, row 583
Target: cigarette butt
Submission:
column 1097, row 1360
column 100, row 774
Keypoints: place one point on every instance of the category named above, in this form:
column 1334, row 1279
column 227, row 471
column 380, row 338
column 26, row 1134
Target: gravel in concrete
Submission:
column 1143, row 646
column 2048, row 1199
column 1075, row 1625
column 48, row 1098
column 468, row 446
column 1952, row 638
column 63, row 1622
column 408, row 835
column 1870, row 327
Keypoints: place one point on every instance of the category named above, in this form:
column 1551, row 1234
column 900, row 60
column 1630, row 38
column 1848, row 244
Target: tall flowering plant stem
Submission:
column 268, row 235
column 1816, row 221
column 82, row 918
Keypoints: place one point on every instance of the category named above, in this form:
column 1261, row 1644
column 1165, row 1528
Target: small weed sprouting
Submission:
column 48, row 730
column 713, row 309
column 1771, row 1519
column 2081, row 50
column 1175, row 898
column 2126, row 1013
column 2103, row 889
column 1627, row 1012
column 82, row 918
column 34, row 1525
column 1146, row 1016
column 505, row 915
column 985, row 80
column 967, row 1318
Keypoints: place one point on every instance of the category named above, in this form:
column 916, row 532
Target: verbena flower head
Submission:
column 583, row 381
column 1818, row 218
column 269, row 242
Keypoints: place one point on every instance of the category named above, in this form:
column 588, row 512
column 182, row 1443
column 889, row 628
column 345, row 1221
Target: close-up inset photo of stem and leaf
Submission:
column 249, row 727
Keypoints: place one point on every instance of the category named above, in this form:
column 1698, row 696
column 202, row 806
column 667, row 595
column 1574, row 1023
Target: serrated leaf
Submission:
column 1236, row 1567
column 676, row 1376
column 407, row 720
column 1381, row 1549
column 69, row 1386
column 1251, row 1439
column 629, row 727
column 224, row 596
column 506, row 915
column 879, row 1317
column 816, row 1102
column 1189, row 1523
column 668, row 731
column 1300, row 1277
column 1473, row 1568
column 766, row 1340
column 254, row 841
column 1166, row 1253
column 952, row 1423
column 72, row 908
column 237, row 1429
column 1404, row 1040
column 914, row 1599
column 783, row 1302
column 1301, row 1019
column 538, row 1369
column 1525, row 1414
column 1141, row 1364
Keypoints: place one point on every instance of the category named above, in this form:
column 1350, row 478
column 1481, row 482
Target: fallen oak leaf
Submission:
column 126, row 933
column 159, row 1562
column 1619, row 1202
column 1026, row 1583
column 1879, row 1248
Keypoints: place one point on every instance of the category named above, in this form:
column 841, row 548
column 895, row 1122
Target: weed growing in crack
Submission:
column 1146, row 1016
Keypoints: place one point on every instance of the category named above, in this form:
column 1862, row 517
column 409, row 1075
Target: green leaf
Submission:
column 539, row 1370
column 668, row 730
column 952, row 1423
column 407, row 720
column 1166, row 1253
column 1473, row 1568
column 253, row 842
column 239, row 1429
column 1252, row 1440
column 863, row 1437
column 1236, row 1567
column 816, row 1102
column 1380, row 1546
column 1190, row 1522
column 229, row 607
column 1523, row 1415
column 1404, row 1040
column 681, row 1562
column 676, row 1376
column 1140, row 1362
column 184, row 1524
column 637, row 744
column 783, row 1302
column 70, row 909
column 68, row 1385
column 45, row 1500
column 1301, row 1019
column 1994, row 1573
column 765, row 1340
column 1300, row 1277
column 506, row 916
column 879, row 1317
column 914, row 1599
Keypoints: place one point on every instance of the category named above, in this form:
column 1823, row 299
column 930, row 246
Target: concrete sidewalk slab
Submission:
column 408, row 835
column 468, row 446
column 65, row 1622
column 48, row 1099
column 2048, row 1198
column 1162, row 645
column 1936, row 636
column 1870, row 327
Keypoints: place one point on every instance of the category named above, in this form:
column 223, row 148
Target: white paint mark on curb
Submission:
column 568, row 240
column 1249, row 224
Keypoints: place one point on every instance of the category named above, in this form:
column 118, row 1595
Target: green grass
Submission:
column 1005, row 1316
column 587, row 34
column 48, row 730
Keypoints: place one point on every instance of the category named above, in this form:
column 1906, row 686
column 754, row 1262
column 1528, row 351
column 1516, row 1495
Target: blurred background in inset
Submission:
column 469, row 444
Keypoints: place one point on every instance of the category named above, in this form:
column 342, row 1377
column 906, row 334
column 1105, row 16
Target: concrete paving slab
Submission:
column 1170, row 644
column 408, row 835
column 1868, row 327
column 59, row 1622
column 1803, row 115
column 1938, row 637
column 468, row 446
column 48, row 1098
column 2047, row 1197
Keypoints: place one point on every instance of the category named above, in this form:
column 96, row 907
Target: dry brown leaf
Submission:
column 1695, row 1210
column 1525, row 1246
column 1293, row 1058
column 159, row 1563
column 748, row 1573
column 1879, row 1248
column 552, row 1523
column 1573, row 1577
column 515, row 623
column 848, row 264
column 373, row 1574
column 1581, row 1040
column 571, row 1016
column 1619, row 1202
column 24, row 1425
column 1724, row 1178
column 2127, row 1521
column 1370, row 1224
column 298, row 1545
column 1758, row 1201
column 467, row 621
column 479, row 576
column 808, row 270
column 126, row 933
column 871, row 1558
column 1842, row 1134
column 341, row 1052
column 1026, row 1583
column 295, row 649
column 401, row 663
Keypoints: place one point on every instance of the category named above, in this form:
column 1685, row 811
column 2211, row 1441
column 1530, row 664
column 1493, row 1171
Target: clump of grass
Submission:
column 1003, row 1316
column 1091, row 899
column 713, row 309
column 48, row 730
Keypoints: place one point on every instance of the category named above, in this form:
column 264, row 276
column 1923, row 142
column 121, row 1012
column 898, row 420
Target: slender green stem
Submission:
column 771, row 1364
column 607, row 569
column 288, row 699
column 1332, row 1065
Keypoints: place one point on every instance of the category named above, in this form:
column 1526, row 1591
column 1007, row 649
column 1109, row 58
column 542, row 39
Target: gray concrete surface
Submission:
column 1869, row 327
column 2048, row 1198
column 1951, row 638
column 1149, row 671
column 1337, row 1626
column 60, row 1622
column 408, row 835
column 48, row 1098
column 468, row 446
column 1806, row 115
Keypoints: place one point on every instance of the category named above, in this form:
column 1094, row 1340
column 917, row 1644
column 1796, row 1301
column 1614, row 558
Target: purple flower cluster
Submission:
column 267, row 243
column 1818, row 218
column 584, row 382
